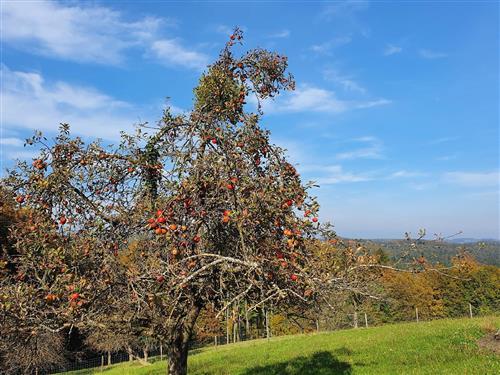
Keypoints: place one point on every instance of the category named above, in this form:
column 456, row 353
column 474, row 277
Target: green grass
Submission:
column 437, row 347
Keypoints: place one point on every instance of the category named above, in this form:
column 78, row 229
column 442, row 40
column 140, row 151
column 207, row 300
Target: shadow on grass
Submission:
column 320, row 363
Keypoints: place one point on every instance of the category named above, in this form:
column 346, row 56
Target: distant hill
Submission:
column 472, row 240
column 485, row 251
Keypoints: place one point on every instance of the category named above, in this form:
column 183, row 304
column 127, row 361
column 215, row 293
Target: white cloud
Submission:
column 372, row 103
column 346, row 82
column 171, row 52
column 20, row 154
column 431, row 55
column 447, row 157
column 90, row 33
column 86, row 33
column 333, row 174
column 437, row 141
column 473, row 179
column 32, row 103
column 326, row 47
column 344, row 8
column 285, row 33
column 314, row 99
column 391, row 49
column 16, row 142
column 405, row 174
column 372, row 150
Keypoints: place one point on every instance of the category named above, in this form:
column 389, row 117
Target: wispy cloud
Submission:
column 314, row 99
column 228, row 30
column 446, row 157
column 285, row 33
column 372, row 149
column 90, row 33
column 346, row 13
column 16, row 142
column 391, row 49
column 224, row 29
column 431, row 55
column 328, row 46
column 473, row 179
column 86, row 33
column 172, row 52
column 333, row 174
column 437, row 141
column 343, row 8
column 405, row 174
column 30, row 102
column 346, row 82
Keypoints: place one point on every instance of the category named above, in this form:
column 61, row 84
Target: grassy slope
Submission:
column 439, row 347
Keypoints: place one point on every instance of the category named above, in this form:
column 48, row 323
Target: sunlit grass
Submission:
column 438, row 347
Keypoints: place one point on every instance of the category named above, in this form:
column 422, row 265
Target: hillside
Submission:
column 485, row 252
column 437, row 347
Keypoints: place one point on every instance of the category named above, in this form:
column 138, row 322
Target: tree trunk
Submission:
column 179, row 344
column 109, row 358
column 130, row 354
column 145, row 354
column 177, row 357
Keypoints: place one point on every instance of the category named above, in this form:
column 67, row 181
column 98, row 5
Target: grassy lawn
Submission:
column 438, row 347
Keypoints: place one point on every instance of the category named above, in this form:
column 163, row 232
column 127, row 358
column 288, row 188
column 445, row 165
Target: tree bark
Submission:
column 177, row 351
column 130, row 354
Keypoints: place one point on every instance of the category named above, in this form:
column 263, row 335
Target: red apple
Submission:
column 160, row 278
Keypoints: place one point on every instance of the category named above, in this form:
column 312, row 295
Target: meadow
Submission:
column 448, row 346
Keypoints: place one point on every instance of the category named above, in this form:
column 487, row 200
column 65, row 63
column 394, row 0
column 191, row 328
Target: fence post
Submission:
column 366, row 321
column 227, row 326
column 416, row 313
column 247, row 323
column 267, row 324
column 470, row 310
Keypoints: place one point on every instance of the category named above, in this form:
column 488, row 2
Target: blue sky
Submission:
column 395, row 114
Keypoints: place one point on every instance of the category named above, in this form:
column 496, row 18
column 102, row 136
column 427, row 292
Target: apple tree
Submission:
column 198, row 210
